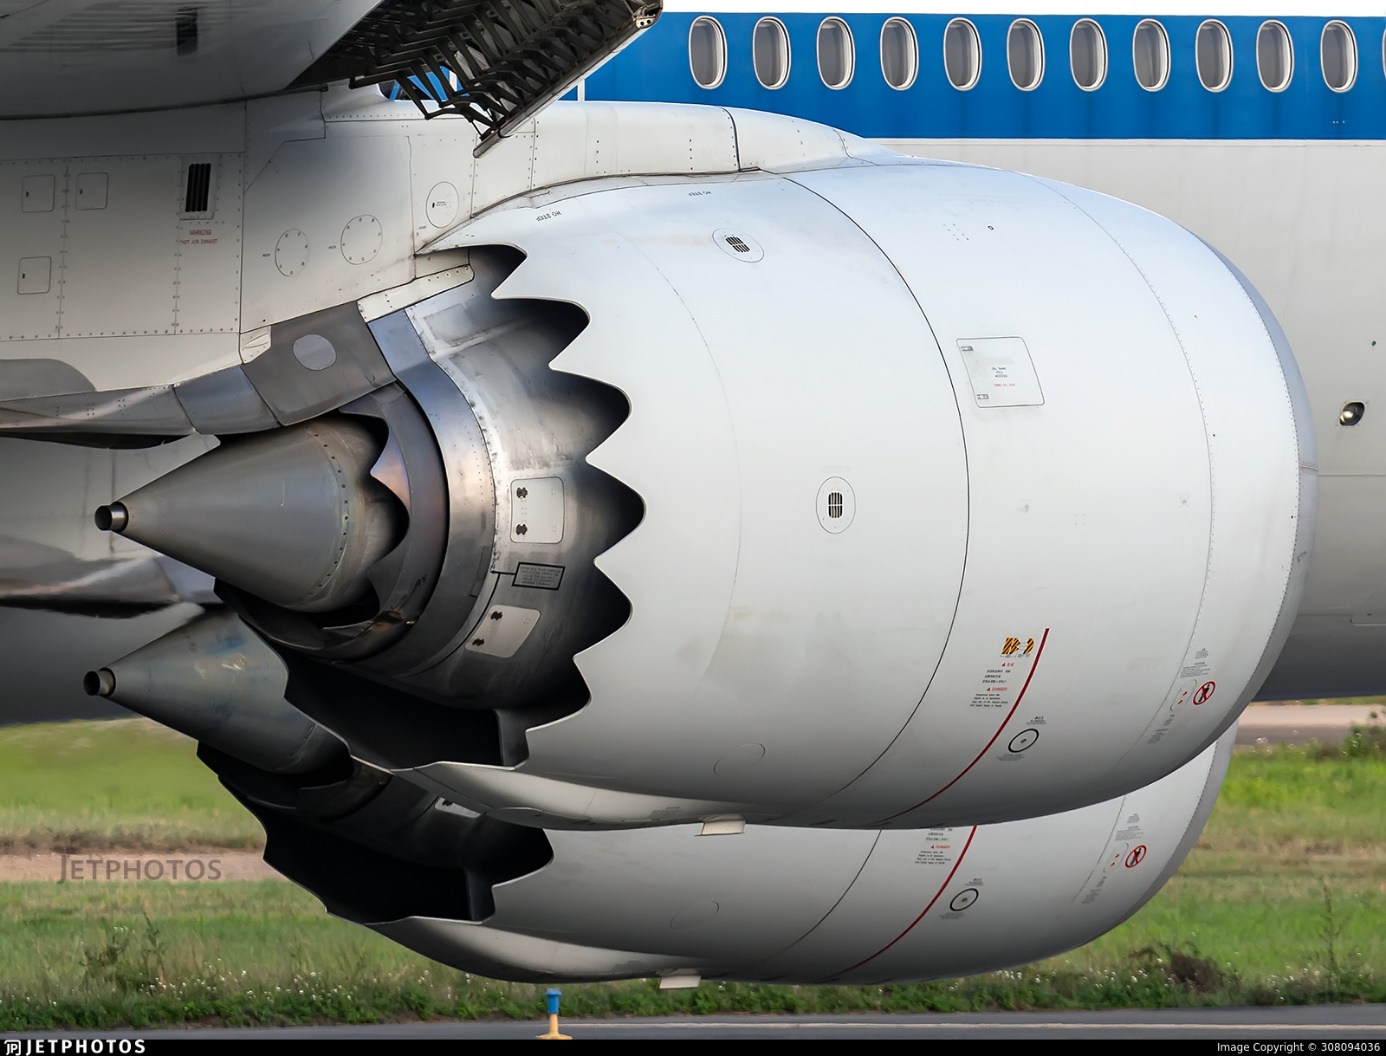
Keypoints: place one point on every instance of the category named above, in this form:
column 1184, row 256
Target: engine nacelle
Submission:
column 895, row 495
column 768, row 904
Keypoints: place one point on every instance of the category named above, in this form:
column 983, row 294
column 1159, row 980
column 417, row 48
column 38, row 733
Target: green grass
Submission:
column 130, row 783
column 1283, row 900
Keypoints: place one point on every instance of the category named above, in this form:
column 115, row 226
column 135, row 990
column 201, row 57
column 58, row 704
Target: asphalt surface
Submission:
column 1324, row 1025
column 1301, row 723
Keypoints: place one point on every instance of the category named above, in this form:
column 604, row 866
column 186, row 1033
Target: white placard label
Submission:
column 1001, row 372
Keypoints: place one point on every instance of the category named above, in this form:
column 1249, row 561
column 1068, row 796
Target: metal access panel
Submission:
column 35, row 275
column 536, row 510
column 33, row 218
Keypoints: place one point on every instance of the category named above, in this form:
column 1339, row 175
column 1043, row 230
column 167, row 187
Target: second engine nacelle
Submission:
column 879, row 495
column 766, row 904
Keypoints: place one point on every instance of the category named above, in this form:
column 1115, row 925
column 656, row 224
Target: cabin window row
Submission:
column 1025, row 54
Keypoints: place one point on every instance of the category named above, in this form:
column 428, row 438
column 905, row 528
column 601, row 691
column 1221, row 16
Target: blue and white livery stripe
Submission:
column 656, row 68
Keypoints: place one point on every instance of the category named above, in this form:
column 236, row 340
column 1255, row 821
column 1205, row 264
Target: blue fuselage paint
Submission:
column 656, row 68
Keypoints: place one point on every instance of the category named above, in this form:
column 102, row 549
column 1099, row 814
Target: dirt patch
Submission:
column 80, row 842
column 115, row 866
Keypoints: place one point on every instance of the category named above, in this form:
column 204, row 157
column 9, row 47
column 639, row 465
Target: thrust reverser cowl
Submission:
column 292, row 516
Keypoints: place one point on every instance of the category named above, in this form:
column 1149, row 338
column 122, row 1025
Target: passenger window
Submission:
column 836, row 53
column 707, row 52
column 770, row 52
column 1338, row 55
column 1087, row 54
column 1275, row 56
column 1213, row 55
column 1025, row 55
column 899, row 53
column 1150, row 50
column 962, row 54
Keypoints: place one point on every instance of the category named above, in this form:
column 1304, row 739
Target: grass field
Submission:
column 134, row 784
column 1284, row 899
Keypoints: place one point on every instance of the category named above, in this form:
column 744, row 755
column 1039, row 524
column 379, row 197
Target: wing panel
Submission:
column 61, row 57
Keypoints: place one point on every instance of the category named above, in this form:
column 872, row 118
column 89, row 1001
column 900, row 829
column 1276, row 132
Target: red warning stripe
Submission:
column 925, row 912
column 1011, row 714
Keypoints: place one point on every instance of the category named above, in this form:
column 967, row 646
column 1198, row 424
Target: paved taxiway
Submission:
column 1301, row 723
column 1320, row 1024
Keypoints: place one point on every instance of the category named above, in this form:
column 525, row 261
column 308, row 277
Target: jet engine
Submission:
column 873, row 494
column 684, row 902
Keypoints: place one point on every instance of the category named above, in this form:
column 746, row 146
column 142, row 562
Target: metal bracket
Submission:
column 494, row 62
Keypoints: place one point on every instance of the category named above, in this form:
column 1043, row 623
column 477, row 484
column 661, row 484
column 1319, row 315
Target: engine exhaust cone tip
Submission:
column 112, row 518
column 99, row 683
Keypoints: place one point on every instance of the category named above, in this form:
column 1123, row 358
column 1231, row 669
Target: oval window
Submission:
column 1025, row 55
column 836, row 53
column 1213, row 54
column 899, row 53
column 707, row 52
column 1087, row 54
column 770, row 52
column 1150, row 50
column 1275, row 56
column 1338, row 54
column 962, row 54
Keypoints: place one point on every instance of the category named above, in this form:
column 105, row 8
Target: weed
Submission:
column 101, row 963
column 1365, row 742
column 1184, row 967
column 153, row 950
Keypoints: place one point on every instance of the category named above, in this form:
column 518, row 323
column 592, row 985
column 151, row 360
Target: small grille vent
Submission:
column 197, row 195
column 835, row 504
column 738, row 245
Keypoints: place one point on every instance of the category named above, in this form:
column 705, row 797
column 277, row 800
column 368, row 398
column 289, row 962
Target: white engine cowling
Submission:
column 968, row 496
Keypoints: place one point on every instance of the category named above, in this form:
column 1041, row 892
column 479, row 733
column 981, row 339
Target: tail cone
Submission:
column 215, row 680
column 292, row 516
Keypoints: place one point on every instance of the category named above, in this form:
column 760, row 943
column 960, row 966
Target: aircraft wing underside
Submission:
column 495, row 62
